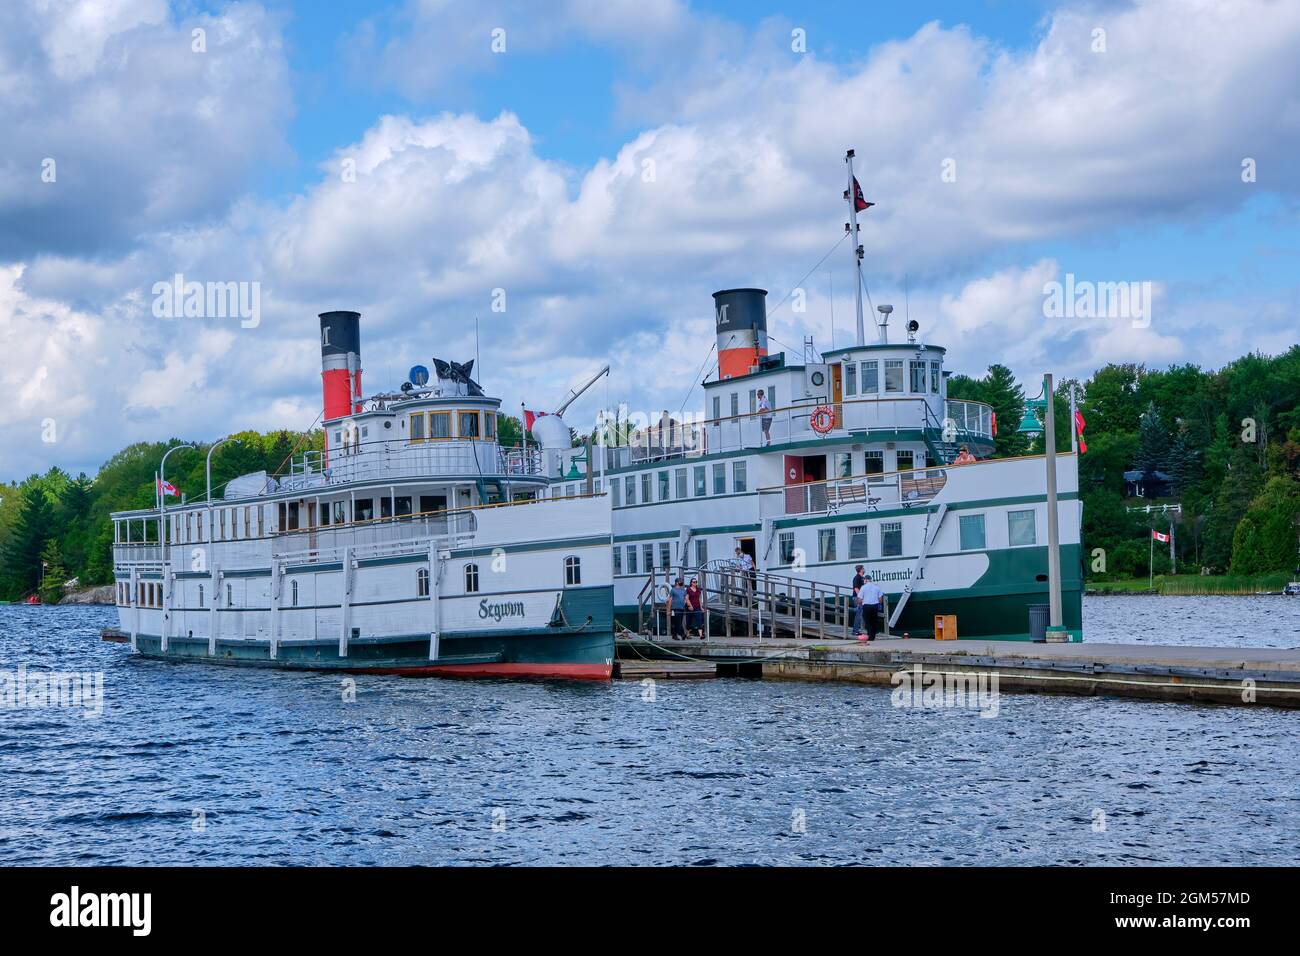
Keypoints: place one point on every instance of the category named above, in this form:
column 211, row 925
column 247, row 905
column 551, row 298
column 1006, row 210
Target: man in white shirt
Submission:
column 765, row 416
column 873, row 600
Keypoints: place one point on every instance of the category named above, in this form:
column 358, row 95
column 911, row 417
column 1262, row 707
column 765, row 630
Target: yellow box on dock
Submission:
column 945, row 627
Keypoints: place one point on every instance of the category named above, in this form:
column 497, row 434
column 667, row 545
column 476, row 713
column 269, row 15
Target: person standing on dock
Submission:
column 677, row 603
column 765, row 416
column 695, row 609
column 872, row 600
column 858, row 581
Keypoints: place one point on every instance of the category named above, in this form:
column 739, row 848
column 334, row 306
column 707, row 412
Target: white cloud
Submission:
column 616, row 262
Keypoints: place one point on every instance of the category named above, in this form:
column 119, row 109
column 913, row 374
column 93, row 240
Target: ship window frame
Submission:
column 617, row 554
column 474, row 415
column 445, row 416
column 909, row 454
column 859, row 542
column 739, row 477
column 701, row 552
column 871, row 366
column 972, row 521
column 887, row 531
column 489, row 426
column 914, row 366
column 936, row 376
column 720, row 478
column 850, row 379
column 895, row 365
column 680, row 486
column 572, row 571
column 785, row 547
column 422, row 420
column 1033, row 528
column 647, row 489
column 631, row 559
column 422, row 582
column 827, row 545
column 629, row 490
column 648, row 557
column 230, row 594
column 293, row 593
column 666, row 554
column 700, row 477
column 200, row 595
column 471, row 577
column 665, row 486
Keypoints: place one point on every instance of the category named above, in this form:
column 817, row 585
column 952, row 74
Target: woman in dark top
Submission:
column 695, row 609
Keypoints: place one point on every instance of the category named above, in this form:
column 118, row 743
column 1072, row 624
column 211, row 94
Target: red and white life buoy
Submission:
column 823, row 419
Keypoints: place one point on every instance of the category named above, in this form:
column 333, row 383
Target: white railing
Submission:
column 129, row 555
column 864, row 493
column 327, row 543
column 377, row 461
column 790, row 424
column 974, row 418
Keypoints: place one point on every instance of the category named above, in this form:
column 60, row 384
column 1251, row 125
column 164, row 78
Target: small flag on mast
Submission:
column 1079, row 424
column 859, row 202
column 1162, row 538
column 530, row 417
column 167, row 488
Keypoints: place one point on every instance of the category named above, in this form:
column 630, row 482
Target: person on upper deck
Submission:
column 964, row 457
column 765, row 416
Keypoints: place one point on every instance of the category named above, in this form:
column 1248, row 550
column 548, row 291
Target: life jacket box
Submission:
column 945, row 627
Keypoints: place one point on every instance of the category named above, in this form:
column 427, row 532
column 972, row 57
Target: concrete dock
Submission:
column 1222, row 675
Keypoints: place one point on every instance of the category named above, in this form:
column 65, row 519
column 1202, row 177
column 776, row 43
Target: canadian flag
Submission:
column 530, row 417
column 167, row 488
column 1162, row 538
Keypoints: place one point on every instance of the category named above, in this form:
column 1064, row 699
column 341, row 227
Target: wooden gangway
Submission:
column 754, row 604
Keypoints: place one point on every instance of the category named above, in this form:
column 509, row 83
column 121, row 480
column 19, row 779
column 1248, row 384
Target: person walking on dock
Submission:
column 677, row 603
column 765, row 416
column 695, row 609
column 858, row 581
column 873, row 600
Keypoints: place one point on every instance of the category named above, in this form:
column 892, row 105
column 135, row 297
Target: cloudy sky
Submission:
column 608, row 164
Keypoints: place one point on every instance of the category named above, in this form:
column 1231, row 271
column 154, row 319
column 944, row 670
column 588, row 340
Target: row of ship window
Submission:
column 437, row 426
column 863, row 378
column 680, row 483
column 1021, row 532
column 150, row 594
column 248, row 521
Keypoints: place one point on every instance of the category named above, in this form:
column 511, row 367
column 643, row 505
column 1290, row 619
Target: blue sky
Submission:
column 615, row 164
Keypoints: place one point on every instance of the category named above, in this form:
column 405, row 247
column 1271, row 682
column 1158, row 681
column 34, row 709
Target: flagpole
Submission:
column 1055, row 608
column 1074, row 423
column 1151, row 561
column 857, row 249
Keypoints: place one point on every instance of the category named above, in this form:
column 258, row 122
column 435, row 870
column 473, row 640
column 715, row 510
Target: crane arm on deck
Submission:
column 573, row 393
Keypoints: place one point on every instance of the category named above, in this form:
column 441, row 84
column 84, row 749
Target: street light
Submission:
column 162, row 495
column 217, row 444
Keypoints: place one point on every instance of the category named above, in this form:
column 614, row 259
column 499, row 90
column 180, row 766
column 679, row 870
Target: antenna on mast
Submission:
column 851, row 227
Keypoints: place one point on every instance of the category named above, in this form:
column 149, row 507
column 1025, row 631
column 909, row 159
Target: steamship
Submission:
column 812, row 465
column 413, row 544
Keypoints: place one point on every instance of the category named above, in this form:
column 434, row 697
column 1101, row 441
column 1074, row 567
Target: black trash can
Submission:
column 1040, row 615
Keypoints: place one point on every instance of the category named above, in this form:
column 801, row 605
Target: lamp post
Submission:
column 1053, row 530
column 162, row 495
column 215, row 445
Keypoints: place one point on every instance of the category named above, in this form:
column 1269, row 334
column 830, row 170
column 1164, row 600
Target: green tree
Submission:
column 26, row 541
column 1266, row 537
column 54, row 573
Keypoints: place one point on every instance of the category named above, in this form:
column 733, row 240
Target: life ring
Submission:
column 823, row 419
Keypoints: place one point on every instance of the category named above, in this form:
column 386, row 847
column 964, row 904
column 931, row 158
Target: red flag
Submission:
column 995, row 423
column 859, row 203
column 1079, row 425
column 530, row 417
column 167, row 488
column 1162, row 538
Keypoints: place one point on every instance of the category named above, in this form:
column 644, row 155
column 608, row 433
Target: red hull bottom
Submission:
column 569, row 671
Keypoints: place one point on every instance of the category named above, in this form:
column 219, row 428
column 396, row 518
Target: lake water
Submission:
column 195, row 764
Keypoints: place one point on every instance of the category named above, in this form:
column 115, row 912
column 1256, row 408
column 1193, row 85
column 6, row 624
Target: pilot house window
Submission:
column 417, row 426
column 467, row 424
column 439, row 425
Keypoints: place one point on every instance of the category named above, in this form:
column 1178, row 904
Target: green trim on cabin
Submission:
column 825, row 518
column 313, row 568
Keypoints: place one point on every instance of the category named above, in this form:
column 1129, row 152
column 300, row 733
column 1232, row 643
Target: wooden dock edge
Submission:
column 1088, row 678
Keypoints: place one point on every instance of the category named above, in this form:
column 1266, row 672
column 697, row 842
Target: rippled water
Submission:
column 284, row 771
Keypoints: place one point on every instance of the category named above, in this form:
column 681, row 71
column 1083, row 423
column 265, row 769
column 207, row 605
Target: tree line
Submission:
column 1222, row 445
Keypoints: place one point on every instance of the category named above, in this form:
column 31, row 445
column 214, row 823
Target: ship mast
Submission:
column 851, row 227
